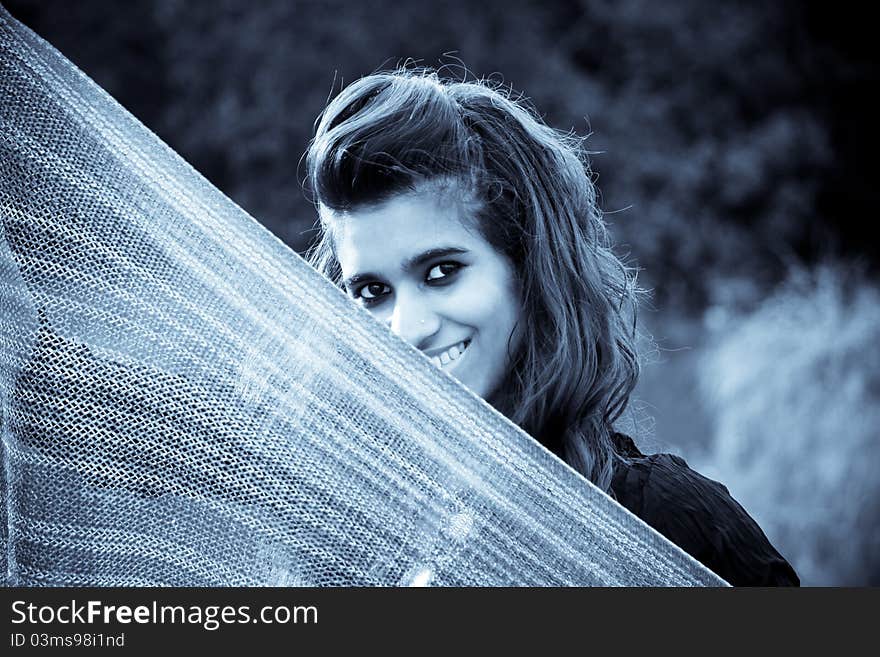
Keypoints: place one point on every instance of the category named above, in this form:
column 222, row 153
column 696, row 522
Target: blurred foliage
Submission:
column 795, row 387
column 718, row 142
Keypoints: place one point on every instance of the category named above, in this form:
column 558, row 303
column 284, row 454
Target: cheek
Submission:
column 491, row 306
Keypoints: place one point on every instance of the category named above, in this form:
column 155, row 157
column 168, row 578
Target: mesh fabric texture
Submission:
column 185, row 402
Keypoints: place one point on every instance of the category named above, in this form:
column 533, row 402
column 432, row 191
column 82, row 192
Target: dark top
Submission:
column 699, row 516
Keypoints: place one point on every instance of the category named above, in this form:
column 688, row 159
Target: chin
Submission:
column 483, row 390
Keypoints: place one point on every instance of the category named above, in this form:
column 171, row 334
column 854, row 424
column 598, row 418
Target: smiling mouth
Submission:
column 451, row 355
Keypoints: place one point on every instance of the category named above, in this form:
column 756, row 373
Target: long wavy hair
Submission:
column 576, row 366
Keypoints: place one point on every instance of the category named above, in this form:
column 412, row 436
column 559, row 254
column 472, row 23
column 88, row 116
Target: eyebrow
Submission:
column 409, row 264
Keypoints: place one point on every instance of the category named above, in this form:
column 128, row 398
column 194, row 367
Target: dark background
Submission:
column 734, row 151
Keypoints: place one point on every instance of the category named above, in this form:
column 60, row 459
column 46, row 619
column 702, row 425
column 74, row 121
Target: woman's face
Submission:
column 418, row 263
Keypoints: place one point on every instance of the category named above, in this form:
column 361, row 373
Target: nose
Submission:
column 413, row 318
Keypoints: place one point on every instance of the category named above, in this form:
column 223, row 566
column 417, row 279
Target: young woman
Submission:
column 471, row 228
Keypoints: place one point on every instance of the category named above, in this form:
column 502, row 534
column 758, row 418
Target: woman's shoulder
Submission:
column 699, row 515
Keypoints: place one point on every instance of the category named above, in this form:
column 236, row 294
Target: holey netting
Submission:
column 186, row 402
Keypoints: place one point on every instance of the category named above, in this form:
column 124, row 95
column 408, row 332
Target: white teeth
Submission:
column 453, row 353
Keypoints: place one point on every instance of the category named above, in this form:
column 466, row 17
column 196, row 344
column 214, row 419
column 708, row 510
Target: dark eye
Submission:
column 442, row 270
column 371, row 292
